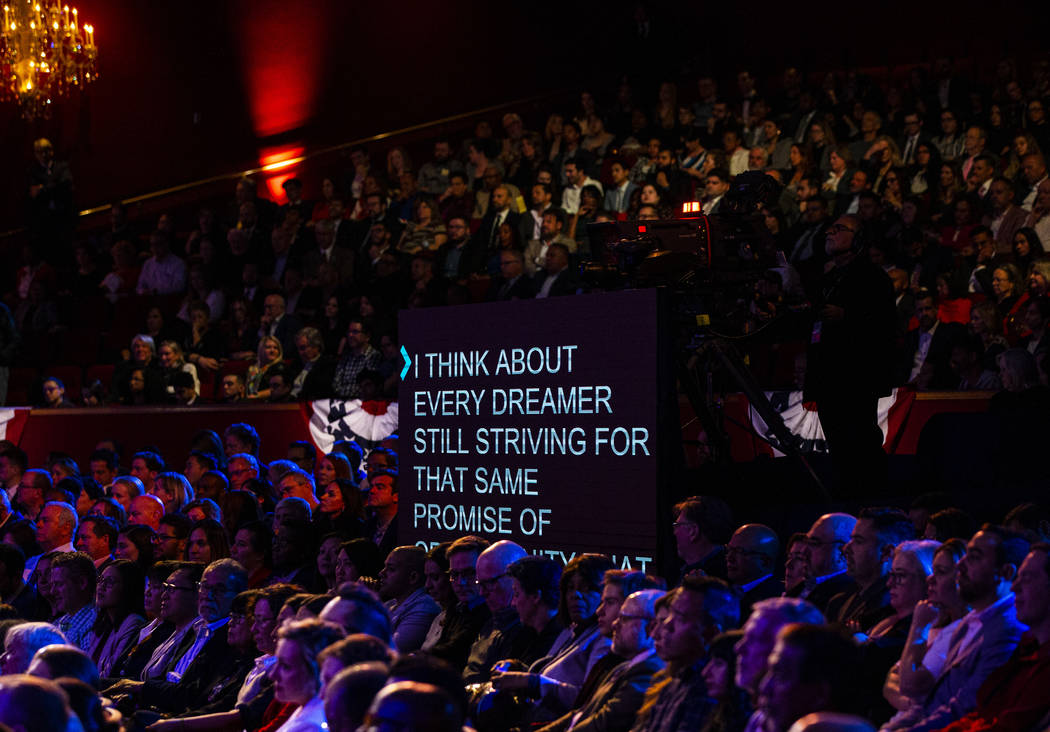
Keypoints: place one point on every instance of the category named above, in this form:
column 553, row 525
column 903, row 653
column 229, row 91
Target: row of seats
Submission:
column 25, row 381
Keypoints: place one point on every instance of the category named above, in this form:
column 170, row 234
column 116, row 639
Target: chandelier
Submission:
column 44, row 54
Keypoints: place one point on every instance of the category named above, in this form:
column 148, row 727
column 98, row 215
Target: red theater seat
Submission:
column 20, row 385
column 102, row 372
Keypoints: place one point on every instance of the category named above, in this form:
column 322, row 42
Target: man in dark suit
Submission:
column 458, row 257
column 615, row 702
column 751, row 558
column 911, row 139
column 825, row 562
column 850, row 358
column 205, row 656
column 278, row 323
column 930, row 347
column 500, row 212
column 512, row 284
column 556, row 278
column 314, row 379
column 328, row 251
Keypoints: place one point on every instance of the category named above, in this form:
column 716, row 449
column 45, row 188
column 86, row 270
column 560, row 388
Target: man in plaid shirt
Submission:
column 701, row 608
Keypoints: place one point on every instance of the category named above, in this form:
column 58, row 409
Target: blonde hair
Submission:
column 260, row 353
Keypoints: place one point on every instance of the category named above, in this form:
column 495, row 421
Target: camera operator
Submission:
column 850, row 359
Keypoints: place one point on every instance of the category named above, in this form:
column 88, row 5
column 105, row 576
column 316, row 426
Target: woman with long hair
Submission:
column 800, row 165
column 173, row 490
column 326, row 558
column 950, row 189
column 118, row 597
column 358, row 560
column 1028, row 248
column 135, row 543
column 341, row 510
column 269, row 355
column 207, row 542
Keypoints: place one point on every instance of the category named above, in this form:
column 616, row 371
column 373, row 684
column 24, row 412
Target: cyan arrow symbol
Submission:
column 408, row 362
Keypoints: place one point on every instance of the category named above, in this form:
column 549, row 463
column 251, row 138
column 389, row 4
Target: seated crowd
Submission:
column 946, row 175
column 241, row 596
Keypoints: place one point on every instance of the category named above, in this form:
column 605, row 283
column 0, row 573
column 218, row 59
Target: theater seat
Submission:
column 20, row 385
column 78, row 347
column 102, row 372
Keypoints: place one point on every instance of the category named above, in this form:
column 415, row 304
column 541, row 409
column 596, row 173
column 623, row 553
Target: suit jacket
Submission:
column 825, row 592
column 1013, row 220
column 318, row 381
column 770, row 587
column 285, row 332
column 340, row 258
column 133, row 660
column 523, row 288
column 485, row 238
column 617, row 700
column 213, row 663
column 954, row 692
column 939, row 355
column 613, row 199
column 535, row 246
column 565, row 283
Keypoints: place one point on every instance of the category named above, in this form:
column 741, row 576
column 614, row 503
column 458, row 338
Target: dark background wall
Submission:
column 196, row 88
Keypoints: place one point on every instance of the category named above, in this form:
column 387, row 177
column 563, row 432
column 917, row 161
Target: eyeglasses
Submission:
column 491, row 582
column 161, row 538
column 676, row 524
column 168, row 587
column 834, row 228
column 214, row 589
column 108, row 582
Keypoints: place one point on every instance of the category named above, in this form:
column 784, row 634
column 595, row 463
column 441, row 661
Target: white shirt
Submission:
column 570, row 198
column 255, row 678
column 204, row 631
column 1029, row 200
column 738, row 161
column 925, row 338
column 32, row 561
column 307, row 718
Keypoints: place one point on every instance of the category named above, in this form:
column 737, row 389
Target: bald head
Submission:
column 825, row 540
column 415, row 706
column 633, row 628
column 752, row 553
column 496, row 587
column 501, row 555
column 147, row 510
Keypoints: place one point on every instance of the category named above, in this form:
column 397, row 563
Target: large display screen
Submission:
column 534, row 421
